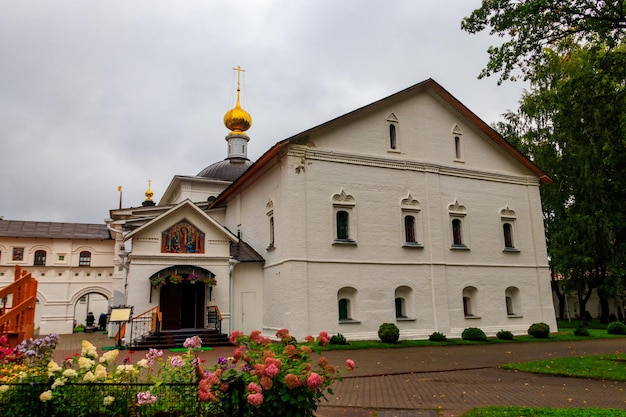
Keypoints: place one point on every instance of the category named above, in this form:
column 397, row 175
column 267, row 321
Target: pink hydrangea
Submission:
column 292, row 381
column 271, row 370
column 324, row 339
column 255, row 400
column 254, row 388
column 314, row 381
column 234, row 336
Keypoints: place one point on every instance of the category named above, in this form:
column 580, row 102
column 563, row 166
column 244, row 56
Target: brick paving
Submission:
column 444, row 381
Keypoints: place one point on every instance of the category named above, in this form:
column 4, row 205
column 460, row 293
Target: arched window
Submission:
column 40, row 257
column 85, row 258
column 344, row 309
column 470, row 300
column 343, row 232
column 346, row 299
column 271, row 245
column 392, row 136
column 513, row 302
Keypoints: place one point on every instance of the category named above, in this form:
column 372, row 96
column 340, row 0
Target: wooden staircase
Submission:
column 17, row 307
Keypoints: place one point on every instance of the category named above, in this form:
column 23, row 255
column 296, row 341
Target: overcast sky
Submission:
column 96, row 94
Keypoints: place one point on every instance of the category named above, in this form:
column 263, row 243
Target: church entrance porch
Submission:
column 183, row 306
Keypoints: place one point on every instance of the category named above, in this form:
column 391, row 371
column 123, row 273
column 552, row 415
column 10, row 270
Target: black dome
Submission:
column 226, row 170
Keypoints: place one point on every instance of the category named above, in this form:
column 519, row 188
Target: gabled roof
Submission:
column 52, row 230
column 185, row 203
column 430, row 85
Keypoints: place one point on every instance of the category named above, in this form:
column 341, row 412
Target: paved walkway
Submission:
column 444, row 381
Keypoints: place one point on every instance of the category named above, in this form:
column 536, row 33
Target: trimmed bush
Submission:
column 338, row 339
column 504, row 335
column 475, row 334
column 388, row 333
column 617, row 327
column 438, row 337
column 581, row 331
column 539, row 330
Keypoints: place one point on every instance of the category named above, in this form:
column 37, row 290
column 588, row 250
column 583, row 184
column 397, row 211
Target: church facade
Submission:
column 410, row 210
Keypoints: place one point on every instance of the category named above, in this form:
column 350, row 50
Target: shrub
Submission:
column 617, row 327
column 338, row 339
column 388, row 333
column 539, row 330
column 581, row 331
column 504, row 335
column 438, row 337
column 475, row 334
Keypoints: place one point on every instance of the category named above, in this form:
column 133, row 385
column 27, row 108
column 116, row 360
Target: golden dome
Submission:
column 237, row 119
column 149, row 192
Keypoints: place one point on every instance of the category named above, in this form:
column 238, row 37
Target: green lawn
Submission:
column 542, row 412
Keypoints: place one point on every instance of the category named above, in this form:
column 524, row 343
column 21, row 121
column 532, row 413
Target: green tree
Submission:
column 529, row 26
column 572, row 122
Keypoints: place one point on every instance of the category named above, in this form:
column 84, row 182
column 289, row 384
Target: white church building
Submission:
column 410, row 210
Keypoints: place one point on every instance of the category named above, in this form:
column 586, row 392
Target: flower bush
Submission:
column 262, row 378
column 276, row 379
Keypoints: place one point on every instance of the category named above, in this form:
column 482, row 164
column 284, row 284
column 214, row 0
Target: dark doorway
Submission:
column 182, row 306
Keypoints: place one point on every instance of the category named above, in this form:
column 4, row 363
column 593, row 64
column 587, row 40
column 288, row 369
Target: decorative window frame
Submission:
column 508, row 217
column 458, row 212
column 411, row 207
column 344, row 202
column 40, row 260
column 393, row 133
column 269, row 212
column 457, row 142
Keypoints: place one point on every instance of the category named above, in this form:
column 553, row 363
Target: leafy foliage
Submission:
column 581, row 331
column 617, row 327
column 539, row 330
column 504, row 335
column 475, row 334
column 338, row 339
column 529, row 26
column 437, row 337
column 388, row 333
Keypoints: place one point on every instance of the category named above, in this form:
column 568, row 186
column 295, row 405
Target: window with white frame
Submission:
column 507, row 219
column 410, row 209
column 393, row 132
column 459, row 236
column 343, row 218
column 457, row 136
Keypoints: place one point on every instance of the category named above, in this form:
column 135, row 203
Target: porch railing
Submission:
column 214, row 318
column 147, row 323
column 17, row 322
